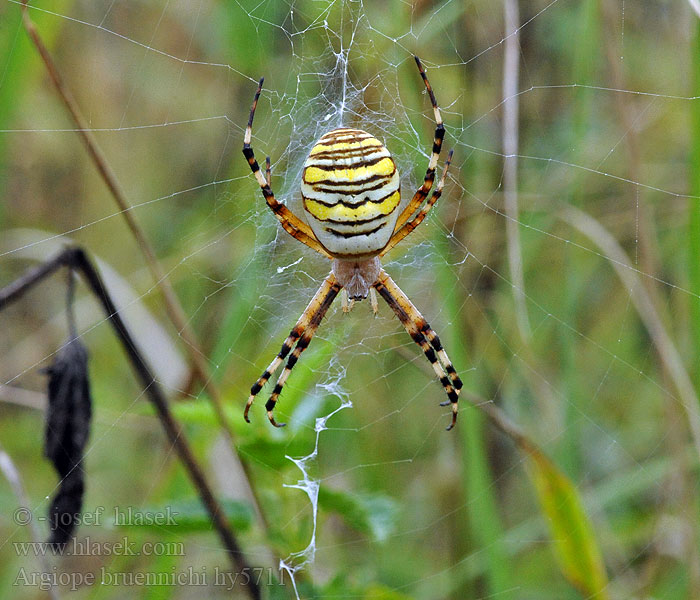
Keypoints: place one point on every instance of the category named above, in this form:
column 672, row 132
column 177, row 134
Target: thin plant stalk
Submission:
column 648, row 247
column 511, row 66
column 694, row 242
column 694, row 203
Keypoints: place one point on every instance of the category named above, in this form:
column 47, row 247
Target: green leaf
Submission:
column 372, row 514
column 272, row 453
column 345, row 585
column 200, row 412
column 381, row 592
column 572, row 533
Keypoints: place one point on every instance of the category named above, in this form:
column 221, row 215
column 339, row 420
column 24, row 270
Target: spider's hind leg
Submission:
column 442, row 355
column 320, row 305
column 274, row 365
column 301, row 334
column 422, row 334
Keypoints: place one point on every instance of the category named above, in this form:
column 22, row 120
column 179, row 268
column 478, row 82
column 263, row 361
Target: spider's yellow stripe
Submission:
column 369, row 142
column 315, row 175
column 365, row 211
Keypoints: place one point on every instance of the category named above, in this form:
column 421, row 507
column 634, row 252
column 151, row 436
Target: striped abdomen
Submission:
column 350, row 190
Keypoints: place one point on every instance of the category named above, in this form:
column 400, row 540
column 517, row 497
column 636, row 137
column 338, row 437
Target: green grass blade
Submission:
column 585, row 29
column 574, row 542
column 485, row 526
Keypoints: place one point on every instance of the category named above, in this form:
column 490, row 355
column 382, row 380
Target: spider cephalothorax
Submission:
column 351, row 194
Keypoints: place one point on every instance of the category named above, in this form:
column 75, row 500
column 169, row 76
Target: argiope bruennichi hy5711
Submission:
column 351, row 192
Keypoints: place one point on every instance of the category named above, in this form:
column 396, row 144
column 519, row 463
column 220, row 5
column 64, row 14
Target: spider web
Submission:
column 173, row 84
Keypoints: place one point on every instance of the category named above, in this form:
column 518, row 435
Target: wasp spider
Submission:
column 351, row 194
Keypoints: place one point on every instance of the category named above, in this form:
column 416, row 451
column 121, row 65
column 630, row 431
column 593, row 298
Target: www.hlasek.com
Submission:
column 186, row 577
column 90, row 547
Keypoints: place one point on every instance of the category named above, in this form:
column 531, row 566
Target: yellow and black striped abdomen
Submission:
column 350, row 189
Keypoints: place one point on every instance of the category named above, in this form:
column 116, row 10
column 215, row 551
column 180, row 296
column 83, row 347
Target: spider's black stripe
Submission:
column 250, row 157
column 346, row 153
column 357, row 182
column 439, row 135
column 349, row 204
column 346, row 136
column 356, row 222
column 355, row 165
column 452, row 395
column 456, row 381
column 342, row 131
column 340, row 191
column 258, row 386
column 419, row 339
column 435, row 341
column 305, row 340
column 353, row 234
column 275, row 206
column 343, row 138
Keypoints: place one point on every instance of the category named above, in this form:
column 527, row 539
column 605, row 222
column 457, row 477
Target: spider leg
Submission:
column 290, row 222
column 418, row 219
column 328, row 288
column 442, row 355
column 422, row 334
column 322, row 301
column 274, row 365
column 424, row 189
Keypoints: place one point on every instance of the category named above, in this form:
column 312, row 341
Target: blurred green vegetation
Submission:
column 609, row 124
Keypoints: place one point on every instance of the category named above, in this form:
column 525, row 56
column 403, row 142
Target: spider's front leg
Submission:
column 423, row 191
column 290, row 222
column 409, row 227
column 423, row 335
column 301, row 334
